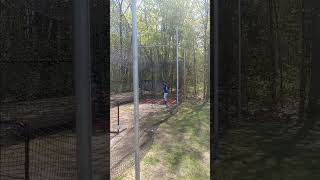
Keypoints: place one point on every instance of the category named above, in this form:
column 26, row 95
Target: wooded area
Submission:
column 276, row 82
column 36, row 48
column 279, row 56
column 157, row 24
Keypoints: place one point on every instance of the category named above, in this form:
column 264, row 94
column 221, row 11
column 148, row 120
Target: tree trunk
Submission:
column 239, row 60
column 274, row 57
column 315, row 66
column 205, row 75
column 303, row 74
column 277, row 57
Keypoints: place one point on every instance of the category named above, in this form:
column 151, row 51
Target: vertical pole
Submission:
column 177, row 59
column 239, row 58
column 216, row 78
column 118, row 118
column 184, row 73
column 135, row 86
column 26, row 152
column 0, row 136
column 81, row 55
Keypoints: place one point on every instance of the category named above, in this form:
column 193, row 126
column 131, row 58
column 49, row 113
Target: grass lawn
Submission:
column 181, row 148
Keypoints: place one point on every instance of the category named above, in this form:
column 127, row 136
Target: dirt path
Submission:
column 54, row 155
column 122, row 144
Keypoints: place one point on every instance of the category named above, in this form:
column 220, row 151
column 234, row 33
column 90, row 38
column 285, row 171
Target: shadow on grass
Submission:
column 182, row 137
column 269, row 153
column 190, row 130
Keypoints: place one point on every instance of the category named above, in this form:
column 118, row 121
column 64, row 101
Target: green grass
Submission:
column 149, row 161
column 181, row 147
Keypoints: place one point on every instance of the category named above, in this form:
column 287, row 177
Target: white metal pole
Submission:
column 184, row 73
column 135, row 86
column 177, row 59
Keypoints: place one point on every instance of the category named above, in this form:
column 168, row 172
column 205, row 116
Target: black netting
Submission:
column 269, row 96
column 157, row 64
column 154, row 69
column 38, row 136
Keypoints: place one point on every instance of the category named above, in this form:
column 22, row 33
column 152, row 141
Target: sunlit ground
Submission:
column 181, row 147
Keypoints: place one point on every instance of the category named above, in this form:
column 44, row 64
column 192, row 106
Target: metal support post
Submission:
column 81, row 55
column 177, row 59
column 135, row 87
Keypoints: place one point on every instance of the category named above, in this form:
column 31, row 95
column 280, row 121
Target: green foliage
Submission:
column 157, row 24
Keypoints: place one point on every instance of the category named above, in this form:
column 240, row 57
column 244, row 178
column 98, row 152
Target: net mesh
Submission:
column 157, row 64
column 38, row 137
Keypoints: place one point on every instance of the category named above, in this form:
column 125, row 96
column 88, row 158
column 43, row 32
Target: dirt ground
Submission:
column 54, row 155
column 180, row 148
column 122, row 144
column 51, row 157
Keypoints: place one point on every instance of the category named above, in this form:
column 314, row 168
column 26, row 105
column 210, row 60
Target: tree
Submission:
column 315, row 63
column 205, row 62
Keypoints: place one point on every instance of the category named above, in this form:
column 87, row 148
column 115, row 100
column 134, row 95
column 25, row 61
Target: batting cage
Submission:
column 38, row 102
column 154, row 70
column 158, row 64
